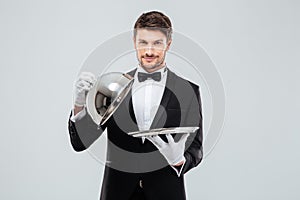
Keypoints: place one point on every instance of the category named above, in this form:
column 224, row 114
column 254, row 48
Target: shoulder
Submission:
column 183, row 81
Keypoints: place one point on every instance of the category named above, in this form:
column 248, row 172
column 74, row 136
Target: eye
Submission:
column 142, row 42
column 157, row 43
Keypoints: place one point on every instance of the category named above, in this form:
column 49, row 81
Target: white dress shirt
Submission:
column 146, row 98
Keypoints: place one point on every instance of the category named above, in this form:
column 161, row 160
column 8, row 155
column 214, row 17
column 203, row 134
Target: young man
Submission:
column 151, row 167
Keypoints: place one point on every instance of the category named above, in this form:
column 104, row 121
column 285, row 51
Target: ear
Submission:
column 168, row 44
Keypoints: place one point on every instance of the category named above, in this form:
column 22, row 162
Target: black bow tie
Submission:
column 144, row 76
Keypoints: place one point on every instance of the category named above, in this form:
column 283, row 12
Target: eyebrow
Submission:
column 160, row 40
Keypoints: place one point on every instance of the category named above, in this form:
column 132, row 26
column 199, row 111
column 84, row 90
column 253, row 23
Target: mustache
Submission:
column 149, row 56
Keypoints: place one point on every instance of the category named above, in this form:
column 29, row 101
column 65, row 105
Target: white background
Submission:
column 254, row 44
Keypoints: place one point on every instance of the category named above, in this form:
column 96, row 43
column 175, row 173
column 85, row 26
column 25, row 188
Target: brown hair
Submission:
column 154, row 20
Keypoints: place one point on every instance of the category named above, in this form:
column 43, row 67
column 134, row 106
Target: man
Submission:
column 158, row 99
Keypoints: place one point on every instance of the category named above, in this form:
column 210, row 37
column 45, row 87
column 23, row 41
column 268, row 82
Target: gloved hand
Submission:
column 172, row 151
column 83, row 84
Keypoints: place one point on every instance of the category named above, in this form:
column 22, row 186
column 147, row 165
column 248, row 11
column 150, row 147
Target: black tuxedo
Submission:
column 131, row 162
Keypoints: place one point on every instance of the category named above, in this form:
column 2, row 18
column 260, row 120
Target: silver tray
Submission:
column 159, row 131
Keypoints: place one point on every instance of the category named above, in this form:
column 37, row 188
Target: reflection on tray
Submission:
column 159, row 131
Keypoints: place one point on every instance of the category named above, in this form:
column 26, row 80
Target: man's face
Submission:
column 151, row 47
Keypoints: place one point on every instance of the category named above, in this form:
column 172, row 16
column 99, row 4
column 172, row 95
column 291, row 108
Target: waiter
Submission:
column 152, row 167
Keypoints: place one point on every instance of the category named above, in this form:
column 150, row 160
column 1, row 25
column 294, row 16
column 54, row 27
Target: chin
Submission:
column 150, row 67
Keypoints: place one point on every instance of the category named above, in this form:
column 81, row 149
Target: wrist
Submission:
column 179, row 164
column 77, row 109
column 179, row 161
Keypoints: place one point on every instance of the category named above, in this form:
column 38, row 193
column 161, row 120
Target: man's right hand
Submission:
column 83, row 84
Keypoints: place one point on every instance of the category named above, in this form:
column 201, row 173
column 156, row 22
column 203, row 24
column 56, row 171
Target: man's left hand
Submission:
column 172, row 151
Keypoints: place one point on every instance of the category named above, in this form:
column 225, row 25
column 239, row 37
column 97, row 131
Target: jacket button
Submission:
column 141, row 183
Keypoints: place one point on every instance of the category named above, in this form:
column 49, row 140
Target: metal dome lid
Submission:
column 106, row 95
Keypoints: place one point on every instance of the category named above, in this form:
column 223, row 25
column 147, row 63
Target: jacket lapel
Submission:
column 129, row 99
column 169, row 87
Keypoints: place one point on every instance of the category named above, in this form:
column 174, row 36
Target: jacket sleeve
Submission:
column 83, row 132
column 194, row 148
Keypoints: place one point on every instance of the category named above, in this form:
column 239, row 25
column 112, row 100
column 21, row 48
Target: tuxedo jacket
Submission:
column 129, row 161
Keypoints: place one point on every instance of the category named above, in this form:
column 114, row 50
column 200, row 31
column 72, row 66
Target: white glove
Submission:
column 172, row 151
column 84, row 83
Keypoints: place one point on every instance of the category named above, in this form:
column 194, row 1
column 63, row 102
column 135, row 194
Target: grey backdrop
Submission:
column 254, row 44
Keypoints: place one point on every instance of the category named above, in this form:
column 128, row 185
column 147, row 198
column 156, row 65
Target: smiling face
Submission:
column 151, row 47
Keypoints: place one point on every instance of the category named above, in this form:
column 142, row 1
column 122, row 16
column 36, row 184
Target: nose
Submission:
column 149, row 50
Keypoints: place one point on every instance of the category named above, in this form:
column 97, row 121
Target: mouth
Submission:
column 149, row 59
